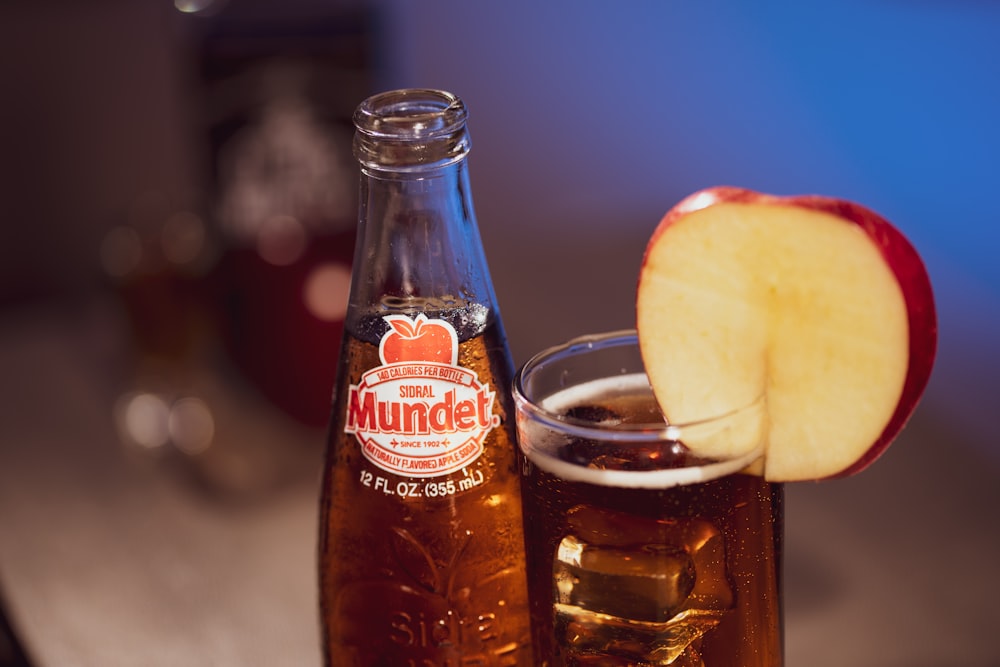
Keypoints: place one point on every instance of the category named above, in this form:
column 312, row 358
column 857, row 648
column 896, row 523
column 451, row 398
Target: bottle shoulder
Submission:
column 469, row 319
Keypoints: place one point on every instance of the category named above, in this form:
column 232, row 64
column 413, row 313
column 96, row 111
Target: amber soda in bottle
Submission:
column 421, row 550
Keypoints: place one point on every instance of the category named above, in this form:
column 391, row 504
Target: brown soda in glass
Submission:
column 685, row 575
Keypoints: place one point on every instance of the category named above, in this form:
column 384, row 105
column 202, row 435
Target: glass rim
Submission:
column 583, row 428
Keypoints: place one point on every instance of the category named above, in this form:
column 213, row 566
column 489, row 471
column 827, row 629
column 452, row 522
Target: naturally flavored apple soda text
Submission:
column 418, row 413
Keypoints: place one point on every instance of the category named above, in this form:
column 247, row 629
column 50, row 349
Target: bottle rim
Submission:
column 411, row 129
column 411, row 113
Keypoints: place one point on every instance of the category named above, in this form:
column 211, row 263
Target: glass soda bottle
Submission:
column 421, row 550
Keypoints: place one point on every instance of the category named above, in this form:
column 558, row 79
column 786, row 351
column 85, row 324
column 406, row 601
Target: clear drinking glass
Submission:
column 638, row 552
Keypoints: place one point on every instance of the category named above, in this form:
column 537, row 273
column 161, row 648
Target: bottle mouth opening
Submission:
column 410, row 129
column 413, row 113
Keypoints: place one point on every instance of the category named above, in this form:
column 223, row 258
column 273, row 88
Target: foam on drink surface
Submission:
column 548, row 449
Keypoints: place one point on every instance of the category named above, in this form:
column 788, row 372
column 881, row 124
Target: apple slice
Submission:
column 817, row 304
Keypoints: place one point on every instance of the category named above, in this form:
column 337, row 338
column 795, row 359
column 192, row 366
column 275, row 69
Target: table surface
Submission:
column 112, row 555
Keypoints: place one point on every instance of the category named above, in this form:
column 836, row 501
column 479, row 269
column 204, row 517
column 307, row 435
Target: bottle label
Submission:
column 420, row 414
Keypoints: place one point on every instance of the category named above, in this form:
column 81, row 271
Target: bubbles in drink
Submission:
column 640, row 455
column 651, row 456
column 597, row 414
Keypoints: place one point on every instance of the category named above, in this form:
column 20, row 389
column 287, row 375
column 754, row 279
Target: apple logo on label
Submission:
column 418, row 339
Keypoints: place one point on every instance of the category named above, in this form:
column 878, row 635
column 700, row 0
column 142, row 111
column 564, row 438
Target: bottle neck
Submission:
column 421, row 239
column 418, row 247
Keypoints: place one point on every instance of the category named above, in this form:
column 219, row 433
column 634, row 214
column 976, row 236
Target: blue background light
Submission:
column 591, row 118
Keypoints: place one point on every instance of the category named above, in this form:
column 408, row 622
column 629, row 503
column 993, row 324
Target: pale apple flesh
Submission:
column 819, row 305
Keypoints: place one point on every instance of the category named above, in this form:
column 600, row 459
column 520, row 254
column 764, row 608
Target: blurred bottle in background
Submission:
column 236, row 291
column 279, row 87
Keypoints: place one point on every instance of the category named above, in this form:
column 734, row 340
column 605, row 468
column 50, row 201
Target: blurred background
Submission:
column 177, row 196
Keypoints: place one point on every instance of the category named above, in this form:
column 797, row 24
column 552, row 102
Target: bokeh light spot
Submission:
column 121, row 251
column 144, row 420
column 183, row 237
column 194, row 6
column 327, row 291
column 191, row 425
column 281, row 240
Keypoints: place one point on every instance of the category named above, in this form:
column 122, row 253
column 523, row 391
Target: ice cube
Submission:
column 642, row 543
column 649, row 582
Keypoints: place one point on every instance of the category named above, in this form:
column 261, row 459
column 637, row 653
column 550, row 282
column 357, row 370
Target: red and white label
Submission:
column 420, row 414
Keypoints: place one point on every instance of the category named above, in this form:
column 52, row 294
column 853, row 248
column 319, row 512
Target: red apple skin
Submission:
column 902, row 259
column 437, row 343
column 424, row 341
